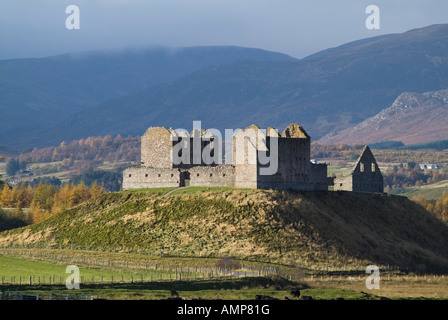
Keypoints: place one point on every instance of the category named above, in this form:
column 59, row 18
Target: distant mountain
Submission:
column 326, row 92
column 412, row 119
column 36, row 94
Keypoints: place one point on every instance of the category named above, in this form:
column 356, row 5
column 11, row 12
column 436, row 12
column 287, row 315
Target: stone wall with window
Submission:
column 213, row 176
column 365, row 176
column 144, row 177
column 254, row 151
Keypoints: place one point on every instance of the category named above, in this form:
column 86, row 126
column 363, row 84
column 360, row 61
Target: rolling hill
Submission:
column 326, row 92
column 413, row 118
column 313, row 229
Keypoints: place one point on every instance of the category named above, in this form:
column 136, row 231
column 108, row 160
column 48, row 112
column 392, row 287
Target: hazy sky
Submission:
column 37, row 28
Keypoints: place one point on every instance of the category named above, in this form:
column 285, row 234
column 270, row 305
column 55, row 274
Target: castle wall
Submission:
column 212, row 176
column 160, row 155
column 343, row 183
column 366, row 174
column 368, row 182
column 318, row 176
column 144, row 177
column 246, row 176
column 191, row 152
column 294, row 167
column 156, row 148
column 245, row 157
column 279, row 185
column 294, row 159
column 365, row 177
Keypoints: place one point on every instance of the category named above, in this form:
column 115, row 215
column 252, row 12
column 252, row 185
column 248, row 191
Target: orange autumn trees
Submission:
column 46, row 200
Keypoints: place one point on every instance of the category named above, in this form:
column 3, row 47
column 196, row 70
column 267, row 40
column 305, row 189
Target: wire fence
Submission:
column 131, row 271
column 19, row 295
column 135, row 271
column 180, row 275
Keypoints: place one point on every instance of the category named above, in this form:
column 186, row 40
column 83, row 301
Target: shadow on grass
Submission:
column 191, row 285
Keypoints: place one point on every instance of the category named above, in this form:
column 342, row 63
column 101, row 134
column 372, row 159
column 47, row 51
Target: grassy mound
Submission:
column 312, row 229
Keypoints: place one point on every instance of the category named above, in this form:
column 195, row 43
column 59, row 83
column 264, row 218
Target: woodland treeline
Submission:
column 438, row 207
column 114, row 149
column 352, row 152
column 44, row 200
column 411, row 175
column 101, row 149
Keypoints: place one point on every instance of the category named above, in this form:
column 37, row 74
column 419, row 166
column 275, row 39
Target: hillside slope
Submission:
column 413, row 118
column 311, row 229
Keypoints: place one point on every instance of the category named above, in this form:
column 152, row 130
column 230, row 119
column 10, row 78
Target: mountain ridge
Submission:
column 413, row 118
column 326, row 92
column 37, row 93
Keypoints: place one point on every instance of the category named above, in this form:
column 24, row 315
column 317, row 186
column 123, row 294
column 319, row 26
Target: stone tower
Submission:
column 270, row 160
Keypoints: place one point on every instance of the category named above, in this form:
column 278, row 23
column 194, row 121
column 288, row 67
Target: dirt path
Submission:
column 171, row 191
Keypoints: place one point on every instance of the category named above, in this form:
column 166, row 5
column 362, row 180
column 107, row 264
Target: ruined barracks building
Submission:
column 259, row 159
column 365, row 176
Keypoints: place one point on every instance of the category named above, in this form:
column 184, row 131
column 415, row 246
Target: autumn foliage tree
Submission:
column 438, row 207
column 45, row 200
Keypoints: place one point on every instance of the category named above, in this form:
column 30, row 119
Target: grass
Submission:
column 19, row 270
column 287, row 228
column 231, row 289
column 395, row 286
column 339, row 171
column 199, row 190
column 48, row 276
column 156, row 191
column 430, row 191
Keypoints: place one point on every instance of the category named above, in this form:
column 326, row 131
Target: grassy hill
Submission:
column 312, row 229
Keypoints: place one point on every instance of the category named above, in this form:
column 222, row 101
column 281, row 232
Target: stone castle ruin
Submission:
column 257, row 159
column 365, row 176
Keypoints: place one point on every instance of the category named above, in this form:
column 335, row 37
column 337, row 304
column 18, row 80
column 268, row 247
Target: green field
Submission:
column 23, row 271
column 108, row 282
column 430, row 191
column 109, row 285
column 141, row 244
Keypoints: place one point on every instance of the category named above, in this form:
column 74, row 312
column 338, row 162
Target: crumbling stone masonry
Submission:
column 365, row 176
column 260, row 159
